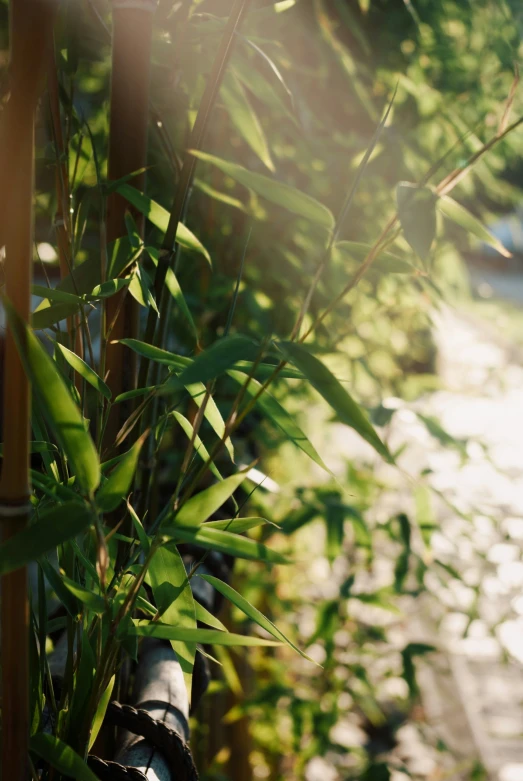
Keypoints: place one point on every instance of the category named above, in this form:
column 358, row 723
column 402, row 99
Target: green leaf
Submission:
column 244, row 118
column 85, row 371
column 204, row 636
column 237, row 525
column 157, row 354
column 64, row 595
column 225, row 542
column 91, row 600
column 160, row 218
column 118, row 484
column 109, row 288
column 141, row 289
column 205, row 617
column 348, row 411
column 62, row 414
column 200, row 507
column 50, row 314
column 280, row 417
column 252, row 612
column 385, row 262
column 100, row 712
column 173, row 286
column 199, row 447
column 457, row 213
column 54, row 294
column 54, row 526
column 417, row 215
column 277, row 192
column 219, row 357
column 174, row 600
column 60, row 756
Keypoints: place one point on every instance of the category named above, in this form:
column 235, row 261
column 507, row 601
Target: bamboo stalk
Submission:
column 131, row 53
column 31, row 27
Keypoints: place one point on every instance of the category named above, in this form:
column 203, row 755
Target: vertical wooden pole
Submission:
column 31, row 28
column 131, row 54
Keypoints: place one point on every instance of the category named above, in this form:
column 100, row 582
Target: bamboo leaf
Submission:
column 244, row 118
column 237, row 525
column 386, row 262
column 277, row 192
column 219, row 357
column 199, row 447
column 109, row 288
column 201, row 506
column 458, row 214
column 54, row 526
column 224, row 542
column 100, row 712
column 252, row 612
column 280, row 417
column 119, row 482
column 173, row 286
column 417, row 214
column 53, row 294
column 174, row 600
column 62, row 414
column 60, row 756
column 204, row 636
column 50, row 314
column 91, row 600
column 348, row 411
column 205, row 617
column 160, row 218
column 85, row 371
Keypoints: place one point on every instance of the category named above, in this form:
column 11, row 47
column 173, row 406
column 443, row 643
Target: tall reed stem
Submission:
column 30, row 32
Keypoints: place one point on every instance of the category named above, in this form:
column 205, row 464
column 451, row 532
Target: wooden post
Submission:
column 31, row 30
column 132, row 33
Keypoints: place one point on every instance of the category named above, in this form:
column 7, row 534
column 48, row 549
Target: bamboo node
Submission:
column 10, row 508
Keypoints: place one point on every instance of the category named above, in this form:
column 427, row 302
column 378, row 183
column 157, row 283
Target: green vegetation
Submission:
column 313, row 171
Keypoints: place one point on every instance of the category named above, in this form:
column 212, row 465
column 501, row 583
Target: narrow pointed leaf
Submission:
column 174, row 600
column 199, row 447
column 458, row 214
column 225, row 542
column 85, row 371
column 280, row 417
column 160, row 218
column 62, row 414
column 205, row 617
column 347, row 410
column 204, row 636
column 277, row 192
column 54, row 526
column 60, row 756
column 244, row 118
column 101, row 711
column 219, row 357
column 200, row 507
column 237, row 525
column 417, row 214
column 119, row 482
column 91, row 600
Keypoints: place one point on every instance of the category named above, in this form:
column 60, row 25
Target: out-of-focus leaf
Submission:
column 417, row 214
column 244, row 118
column 236, row 525
column 458, row 214
column 62, row 414
column 348, row 411
column 386, row 262
column 55, row 526
column 277, row 192
column 84, row 370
